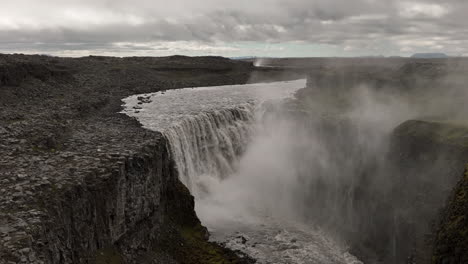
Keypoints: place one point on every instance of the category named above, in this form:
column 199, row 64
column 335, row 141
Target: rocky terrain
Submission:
column 81, row 183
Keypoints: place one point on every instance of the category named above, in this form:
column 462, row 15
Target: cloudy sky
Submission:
column 233, row 28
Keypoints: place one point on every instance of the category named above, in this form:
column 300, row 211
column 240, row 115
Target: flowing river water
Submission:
column 237, row 164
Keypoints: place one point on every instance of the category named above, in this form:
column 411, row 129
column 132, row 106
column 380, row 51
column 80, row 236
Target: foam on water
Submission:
column 210, row 130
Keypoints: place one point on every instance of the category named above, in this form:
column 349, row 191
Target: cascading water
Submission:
column 240, row 161
column 206, row 147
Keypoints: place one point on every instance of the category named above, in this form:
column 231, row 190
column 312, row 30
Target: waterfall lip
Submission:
column 158, row 111
column 175, row 112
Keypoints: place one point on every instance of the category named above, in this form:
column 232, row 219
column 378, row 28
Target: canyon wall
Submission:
column 82, row 183
column 116, row 214
column 451, row 237
column 429, row 158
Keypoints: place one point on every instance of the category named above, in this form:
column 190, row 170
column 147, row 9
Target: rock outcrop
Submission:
column 429, row 158
column 451, row 237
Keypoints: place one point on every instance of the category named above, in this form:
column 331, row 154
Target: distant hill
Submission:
column 429, row 56
column 243, row 58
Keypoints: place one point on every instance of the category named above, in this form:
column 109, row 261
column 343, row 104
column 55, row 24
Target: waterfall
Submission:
column 206, row 147
column 245, row 159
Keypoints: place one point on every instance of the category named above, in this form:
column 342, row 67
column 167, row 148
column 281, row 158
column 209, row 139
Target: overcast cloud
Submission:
column 234, row 28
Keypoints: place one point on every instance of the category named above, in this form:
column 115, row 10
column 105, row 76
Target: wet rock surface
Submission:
column 451, row 240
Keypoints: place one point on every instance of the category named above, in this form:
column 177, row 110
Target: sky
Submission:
column 271, row 28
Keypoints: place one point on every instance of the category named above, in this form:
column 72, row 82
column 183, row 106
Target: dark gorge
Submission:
column 370, row 156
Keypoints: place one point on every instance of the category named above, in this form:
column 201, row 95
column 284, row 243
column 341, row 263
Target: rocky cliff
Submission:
column 81, row 183
column 451, row 237
column 429, row 158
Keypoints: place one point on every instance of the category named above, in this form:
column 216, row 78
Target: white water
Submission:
column 223, row 151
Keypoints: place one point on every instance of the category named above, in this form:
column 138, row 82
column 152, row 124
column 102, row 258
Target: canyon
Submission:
column 81, row 182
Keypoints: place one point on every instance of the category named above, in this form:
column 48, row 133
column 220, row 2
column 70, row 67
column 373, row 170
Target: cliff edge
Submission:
column 81, row 183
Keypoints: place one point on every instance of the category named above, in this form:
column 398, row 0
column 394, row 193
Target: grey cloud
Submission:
column 352, row 24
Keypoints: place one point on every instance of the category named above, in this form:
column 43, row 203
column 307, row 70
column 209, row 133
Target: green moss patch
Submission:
column 190, row 245
column 451, row 244
column 108, row 256
column 185, row 240
column 444, row 132
column 198, row 250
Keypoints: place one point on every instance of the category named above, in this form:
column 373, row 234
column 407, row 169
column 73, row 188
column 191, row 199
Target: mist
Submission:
column 328, row 161
column 354, row 164
column 290, row 154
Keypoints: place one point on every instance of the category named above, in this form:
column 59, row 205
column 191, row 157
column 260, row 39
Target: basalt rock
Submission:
column 451, row 237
